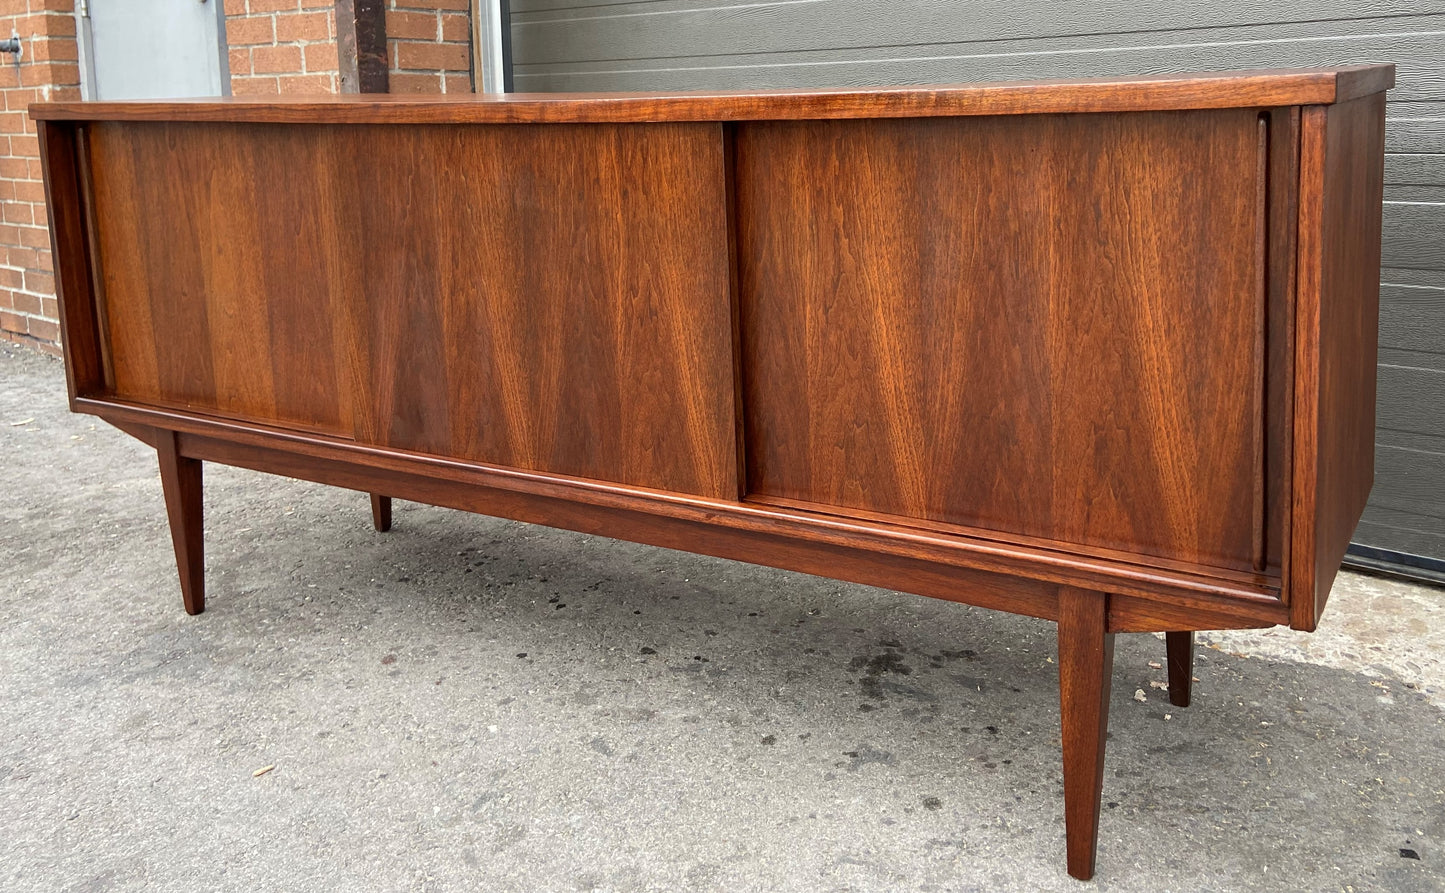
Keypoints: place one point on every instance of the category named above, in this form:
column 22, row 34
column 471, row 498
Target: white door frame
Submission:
column 492, row 46
column 85, row 47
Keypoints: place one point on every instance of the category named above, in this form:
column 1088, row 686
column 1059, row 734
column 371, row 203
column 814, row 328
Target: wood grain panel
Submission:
column 214, row 253
column 1281, row 258
column 63, row 159
column 547, row 297
column 1049, row 327
column 553, row 298
column 1342, row 173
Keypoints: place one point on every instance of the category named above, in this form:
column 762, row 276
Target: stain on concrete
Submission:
column 867, row 755
column 601, row 745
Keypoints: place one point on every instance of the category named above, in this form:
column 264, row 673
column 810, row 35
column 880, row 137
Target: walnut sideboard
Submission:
column 1100, row 352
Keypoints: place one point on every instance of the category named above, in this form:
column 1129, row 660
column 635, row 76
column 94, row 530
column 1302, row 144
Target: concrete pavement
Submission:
column 467, row 703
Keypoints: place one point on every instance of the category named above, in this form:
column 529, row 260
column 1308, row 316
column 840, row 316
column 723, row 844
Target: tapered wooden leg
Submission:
column 381, row 512
column 1180, row 647
column 181, row 482
column 1086, row 660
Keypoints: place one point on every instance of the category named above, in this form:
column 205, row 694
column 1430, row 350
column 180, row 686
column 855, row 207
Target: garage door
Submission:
column 562, row 45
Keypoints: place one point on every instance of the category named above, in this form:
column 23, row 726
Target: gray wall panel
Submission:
column 1408, row 481
column 1401, row 539
column 1414, row 236
column 1412, row 318
column 1411, row 399
column 1415, row 47
column 1419, row 278
column 711, row 44
column 1093, row 15
column 1414, row 170
column 1416, row 134
column 836, row 28
column 1415, row 194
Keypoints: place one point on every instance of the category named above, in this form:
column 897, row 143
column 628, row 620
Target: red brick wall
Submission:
column 47, row 70
column 289, row 46
column 430, row 45
column 282, row 46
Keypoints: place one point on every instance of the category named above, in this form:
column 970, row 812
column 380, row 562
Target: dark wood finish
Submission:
column 381, row 512
column 1173, row 594
column 1111, row 368
column 226, row 303
column 1086, row 662
column 1166, row 92
column 572, row 292
column 1282, row 190
column 361, row 46
column 75, row 288
column 181, row 483
column 1248, row 578
column 1179, row 647
column 418, row 312
column 1342, row 173
column 1091, row 381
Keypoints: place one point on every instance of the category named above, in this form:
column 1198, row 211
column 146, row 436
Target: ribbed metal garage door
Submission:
column 563, row 45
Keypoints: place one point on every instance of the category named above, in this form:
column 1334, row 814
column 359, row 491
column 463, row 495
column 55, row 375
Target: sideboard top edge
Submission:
column 1165, row 92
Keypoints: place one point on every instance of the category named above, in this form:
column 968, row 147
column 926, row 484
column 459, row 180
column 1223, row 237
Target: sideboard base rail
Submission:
column 989, row 575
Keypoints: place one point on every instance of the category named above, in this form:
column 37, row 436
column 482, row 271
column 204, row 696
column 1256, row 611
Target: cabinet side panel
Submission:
column 1047, row 326
column 1341, row 190
column 217, row 248
column 62, row 159
column 547, row 297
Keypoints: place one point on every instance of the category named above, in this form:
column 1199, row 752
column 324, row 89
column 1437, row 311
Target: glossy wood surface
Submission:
column 1166, row 445
column 1159, row 598
column 538, row 297
column 1040, row 333
column 1240, row 89
column 1179, row 649
column 227, row 301
column 78, row 294
column 1341, row 187
column 1281, row 255
column 550, row 298
column 381, row 513
column 181, row 484
column 1086, row 664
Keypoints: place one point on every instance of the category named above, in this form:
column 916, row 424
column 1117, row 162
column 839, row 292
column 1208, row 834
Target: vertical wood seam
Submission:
column 734, row 270
column 1304, row 471
column 1261, row 347
column 1290, row 287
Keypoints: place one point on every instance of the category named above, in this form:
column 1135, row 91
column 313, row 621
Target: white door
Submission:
column 152, row 49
